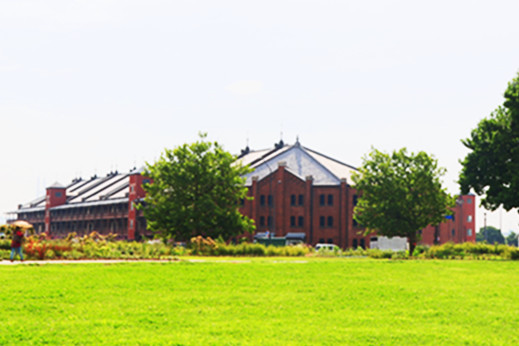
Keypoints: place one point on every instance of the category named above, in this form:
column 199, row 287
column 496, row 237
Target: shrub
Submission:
column 5, row 254
column 419, row 250
column 514, row 253
column 376, row 253
column 49, row 254
column 5, row 244
column 399, row 255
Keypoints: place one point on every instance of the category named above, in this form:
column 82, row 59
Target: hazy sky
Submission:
column 87, row 87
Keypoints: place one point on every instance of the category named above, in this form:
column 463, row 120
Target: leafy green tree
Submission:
column 491, row 168
column 511, row 239
column 490, row 235
column 401, row 194
column 195, row 190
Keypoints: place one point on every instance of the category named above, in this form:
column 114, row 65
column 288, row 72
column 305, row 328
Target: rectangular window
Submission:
column 355, row 200
column 321, row 199
column 300, row 221
column 321, row 240
column 362, row 243
column 355, row 243
column 301, row 200
column 131, row 224
column 321, row 221
column 292, row 200
column 469, row 232
column 355, row 223
column 57, row 194
column 330, row 221
column 469, row 200
column 330, row 199
column 269, row 221
column 269, row 199
column 469, row 218
column 453, row 232
column 262, row 220
column 292, row 221
column 330, row 241
column 262, row 200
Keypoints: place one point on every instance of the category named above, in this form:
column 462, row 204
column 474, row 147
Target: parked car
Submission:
column 326, row 247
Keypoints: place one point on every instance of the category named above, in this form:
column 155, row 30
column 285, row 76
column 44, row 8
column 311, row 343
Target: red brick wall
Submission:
column 343, row 231
column 460, row 229
column 54, row 197
column 135, row 192
column 286, row 188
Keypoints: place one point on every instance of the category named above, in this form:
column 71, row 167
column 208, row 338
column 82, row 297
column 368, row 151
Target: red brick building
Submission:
column 459, row 228
column 103, row 204
column 298, row 190
column 294, row 189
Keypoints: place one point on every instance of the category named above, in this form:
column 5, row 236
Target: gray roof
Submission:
column 112, row 188
column 300, row 161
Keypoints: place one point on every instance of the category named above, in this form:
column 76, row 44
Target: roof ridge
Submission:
column 303, row 149
column 331, row 158
column 267, row 154
column 310, row 157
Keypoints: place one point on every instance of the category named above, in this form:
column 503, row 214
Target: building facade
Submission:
column 103, row 204
column 294, row 189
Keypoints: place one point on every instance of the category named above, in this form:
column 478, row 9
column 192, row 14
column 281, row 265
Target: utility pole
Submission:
column 485, row 227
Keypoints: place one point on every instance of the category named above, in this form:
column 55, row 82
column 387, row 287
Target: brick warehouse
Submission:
column 294, row 189
column 103, row 204
column 298, row 190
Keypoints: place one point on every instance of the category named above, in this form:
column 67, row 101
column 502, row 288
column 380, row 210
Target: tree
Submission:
column 195, row 190
column 490, row 235
column 511, row 239
column 400, row 194
column 491, row 168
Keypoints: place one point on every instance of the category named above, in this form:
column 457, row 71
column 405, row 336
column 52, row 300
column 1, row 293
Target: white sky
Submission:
column 90, row 86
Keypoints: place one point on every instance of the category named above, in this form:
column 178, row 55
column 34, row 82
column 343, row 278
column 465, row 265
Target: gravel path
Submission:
column 108, row 261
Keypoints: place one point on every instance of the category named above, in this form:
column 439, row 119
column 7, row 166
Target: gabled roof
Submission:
column 300, row 161
column 112, row 188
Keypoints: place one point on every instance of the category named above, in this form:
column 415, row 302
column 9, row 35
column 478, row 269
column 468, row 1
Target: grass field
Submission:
column 262, row 301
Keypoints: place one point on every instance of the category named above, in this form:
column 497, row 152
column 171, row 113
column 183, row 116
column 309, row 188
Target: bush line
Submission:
column 95, row 246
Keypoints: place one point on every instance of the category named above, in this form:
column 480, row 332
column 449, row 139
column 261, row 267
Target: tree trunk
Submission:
column 412, row 243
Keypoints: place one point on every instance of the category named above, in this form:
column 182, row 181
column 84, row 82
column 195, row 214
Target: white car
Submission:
column 326, row 247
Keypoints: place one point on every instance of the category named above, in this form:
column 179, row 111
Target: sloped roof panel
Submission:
column 91, row 204
column 255, row 158
column 339, row 169
column 114, row 186
column 100, row 190
column 299, row 162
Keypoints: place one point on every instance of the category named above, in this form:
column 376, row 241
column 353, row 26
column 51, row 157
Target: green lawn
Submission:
column 262, row 301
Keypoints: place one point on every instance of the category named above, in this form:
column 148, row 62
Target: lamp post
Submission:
column 485, row 227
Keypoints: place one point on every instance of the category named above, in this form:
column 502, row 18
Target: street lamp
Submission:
column 485, row 227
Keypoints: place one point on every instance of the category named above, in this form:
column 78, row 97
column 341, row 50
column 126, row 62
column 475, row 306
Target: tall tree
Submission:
column 490, row 234
column 491, row 168
column 195, row 190
column 400, row 194
column 511, row 239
